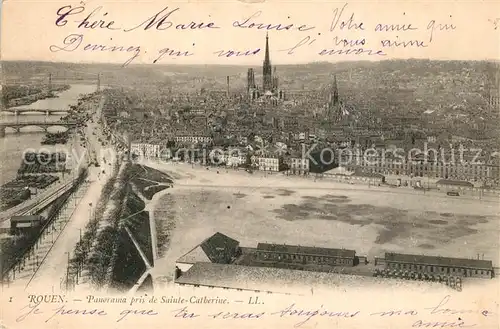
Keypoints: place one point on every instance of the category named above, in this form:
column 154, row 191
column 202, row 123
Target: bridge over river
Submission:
column 44, row 125
column 23, row 110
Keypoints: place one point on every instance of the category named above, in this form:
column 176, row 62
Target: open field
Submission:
column 291, row 210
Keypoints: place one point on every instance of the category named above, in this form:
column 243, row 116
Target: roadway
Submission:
column 53, row 268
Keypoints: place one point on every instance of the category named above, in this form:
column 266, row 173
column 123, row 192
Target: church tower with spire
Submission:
column 335, row 91
column 494, row 92
column 333, row 106
column 270, row 93
column 267, row 70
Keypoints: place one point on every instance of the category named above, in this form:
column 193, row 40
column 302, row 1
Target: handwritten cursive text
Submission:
column 172, row 53
column 73, row 42
column 161, row 21
column 293, row 311
column 89, row 22
column 63, row 310
column 232, row 53
column 248, row 24
column 349, row 24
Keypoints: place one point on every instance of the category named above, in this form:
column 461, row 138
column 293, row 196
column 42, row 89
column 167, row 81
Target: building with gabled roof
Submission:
column 218, row 248
column 440, row 265
column 270, row 252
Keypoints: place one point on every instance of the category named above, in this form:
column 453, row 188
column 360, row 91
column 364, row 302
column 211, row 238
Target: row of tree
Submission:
column 88, row 251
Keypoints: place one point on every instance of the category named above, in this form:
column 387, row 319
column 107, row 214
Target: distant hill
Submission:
column 27, row 69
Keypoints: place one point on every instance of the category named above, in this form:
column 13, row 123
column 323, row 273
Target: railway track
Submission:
column 39, row 243
column 64, row 223
column 28, row 206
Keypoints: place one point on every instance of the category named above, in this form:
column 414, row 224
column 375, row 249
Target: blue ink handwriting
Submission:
column 233, row 53
column 172, row 53
column 349, row 43
column 184, row 313
column 394, row 27
column 350, row 47
column 351, row 51
column 73, row 42
column 305, row 41
column 432, row 27
column 404, row 44
column 440, row 309
column 293, row 311
column 161, row 23
column 435, row 314
column 86, row 23
column 247, row 24
column 31, row 309
column 441, row 324
column 62, row 310
column 342, row 46
column 230, row 315
column 125, row 313
column 344, row 20
column 350, row 24
column 396, row 313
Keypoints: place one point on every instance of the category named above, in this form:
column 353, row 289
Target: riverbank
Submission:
column 37, row 172
column 18, row 146
column 22, row 188
column 56, row 138
column 20, row 95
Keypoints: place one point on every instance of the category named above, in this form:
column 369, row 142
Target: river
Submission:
column 12, row 146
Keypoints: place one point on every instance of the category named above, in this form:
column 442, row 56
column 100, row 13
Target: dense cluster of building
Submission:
column 216, row 261
column 270, row 128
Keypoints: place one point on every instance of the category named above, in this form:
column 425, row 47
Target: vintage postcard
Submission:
column 250, row 164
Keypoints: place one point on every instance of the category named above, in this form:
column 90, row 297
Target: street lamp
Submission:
column 67, row 271
column 90, row 211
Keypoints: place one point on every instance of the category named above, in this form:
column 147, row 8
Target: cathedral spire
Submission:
column 266, row 69
column 335, row 91
column 267, row 59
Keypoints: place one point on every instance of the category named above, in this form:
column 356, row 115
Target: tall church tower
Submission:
column 333, row 106
column 267, row 70
column 250, row 80
column 275, row 80
column 494, row 92
column 335, row 91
